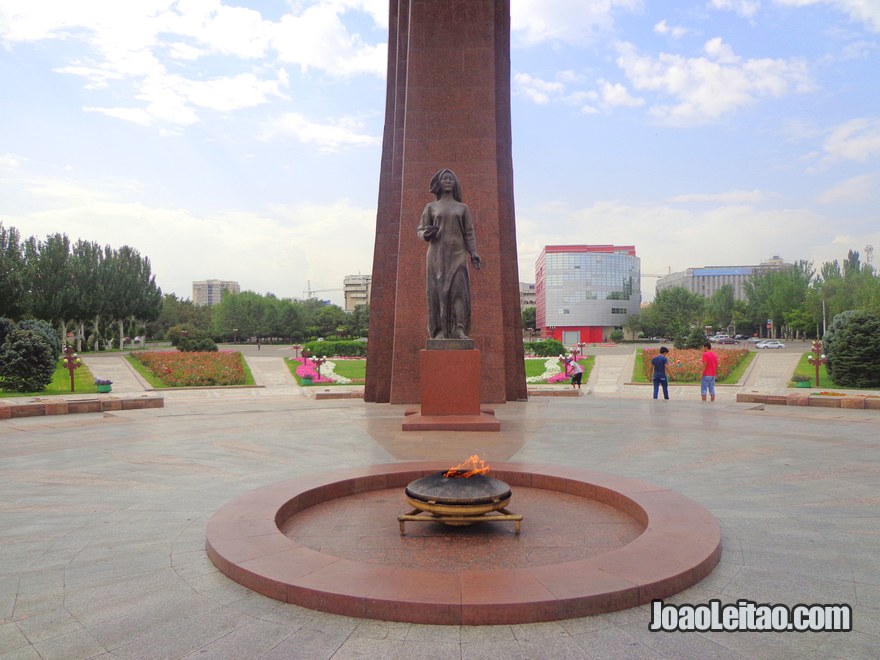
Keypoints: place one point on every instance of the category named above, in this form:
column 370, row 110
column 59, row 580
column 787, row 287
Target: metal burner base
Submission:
column 460, row 519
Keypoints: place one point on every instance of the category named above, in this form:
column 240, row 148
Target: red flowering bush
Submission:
column 308, row 369
column 686, row 365
column 176, row 369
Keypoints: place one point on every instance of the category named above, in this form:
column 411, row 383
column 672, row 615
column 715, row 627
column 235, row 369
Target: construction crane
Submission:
column 668, row 272
column 309, row 291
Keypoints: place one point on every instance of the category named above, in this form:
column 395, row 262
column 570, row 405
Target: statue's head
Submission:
column 436, row 186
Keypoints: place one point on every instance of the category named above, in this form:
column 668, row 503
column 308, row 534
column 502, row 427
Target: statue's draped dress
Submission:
column 448, row 284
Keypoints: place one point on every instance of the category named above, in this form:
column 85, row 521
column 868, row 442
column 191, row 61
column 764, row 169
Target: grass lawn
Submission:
column 804, row 368
column 638, row 375
column 83, row 381
column 353, row 369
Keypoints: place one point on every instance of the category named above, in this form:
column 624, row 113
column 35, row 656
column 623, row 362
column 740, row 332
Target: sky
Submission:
column 242, row 140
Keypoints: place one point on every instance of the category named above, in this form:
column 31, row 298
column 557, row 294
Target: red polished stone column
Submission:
column 448, row 105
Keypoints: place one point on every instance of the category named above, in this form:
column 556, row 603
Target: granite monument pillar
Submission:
column 447, row 106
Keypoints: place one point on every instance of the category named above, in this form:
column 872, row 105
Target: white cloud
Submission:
column 329, row 137
column 9, row 160
column 537, row 90
column 318, row 39
column 676, row 32
column 856, row 139
column 724, row 198
column 706, row 88
column 744, row 8
column 857, row 189
column 232, row 245
column 865, row 11
column 604, row 98
column 615, row 95
column 147, row 54
column 567, row 21
column 133, row 115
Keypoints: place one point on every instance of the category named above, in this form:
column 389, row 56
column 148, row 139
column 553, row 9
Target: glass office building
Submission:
column 584, row 292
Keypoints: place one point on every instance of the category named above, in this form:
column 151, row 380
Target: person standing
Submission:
column 659, row 363
column 710, row 371
column 577, row 373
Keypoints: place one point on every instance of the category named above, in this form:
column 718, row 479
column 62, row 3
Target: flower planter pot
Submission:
column 804, row 383
column 306, row 381
column 104, row 389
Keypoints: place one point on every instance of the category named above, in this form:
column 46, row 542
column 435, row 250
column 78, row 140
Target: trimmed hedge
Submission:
column 336, row 348
column 547, row 348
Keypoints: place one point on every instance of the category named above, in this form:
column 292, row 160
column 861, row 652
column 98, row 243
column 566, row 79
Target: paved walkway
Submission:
column 102, row 520
column 611, row 375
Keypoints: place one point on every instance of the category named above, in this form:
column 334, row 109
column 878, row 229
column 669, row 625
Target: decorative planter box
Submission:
column 803, row 383
column 104, row 389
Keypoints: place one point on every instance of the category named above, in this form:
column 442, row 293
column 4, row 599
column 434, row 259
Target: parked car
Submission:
column 741, row 337
column 755, row 340
column 722, row 339
column 770, row 343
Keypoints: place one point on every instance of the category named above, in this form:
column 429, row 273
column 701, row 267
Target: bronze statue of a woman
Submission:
column 446, row 225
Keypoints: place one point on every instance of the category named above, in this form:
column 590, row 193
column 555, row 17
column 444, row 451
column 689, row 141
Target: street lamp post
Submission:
column 71, row 363
column 817, row 358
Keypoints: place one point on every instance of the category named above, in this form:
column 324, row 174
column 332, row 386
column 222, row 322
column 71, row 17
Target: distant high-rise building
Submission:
column 584, row 292
column 356, row 289
column 708, row 280
column 210, row 292
column 526, row 295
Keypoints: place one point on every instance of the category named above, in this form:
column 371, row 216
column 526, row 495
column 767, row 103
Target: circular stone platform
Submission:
column 680, row 543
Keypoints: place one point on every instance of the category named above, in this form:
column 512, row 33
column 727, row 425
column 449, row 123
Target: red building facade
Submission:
column 585, row 292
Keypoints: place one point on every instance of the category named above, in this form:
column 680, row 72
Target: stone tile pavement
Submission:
column 102, row 522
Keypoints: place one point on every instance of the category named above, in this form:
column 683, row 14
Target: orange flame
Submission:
column 472, row 466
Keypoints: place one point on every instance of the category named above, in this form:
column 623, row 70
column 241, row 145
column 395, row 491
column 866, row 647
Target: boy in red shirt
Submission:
column 710, row 370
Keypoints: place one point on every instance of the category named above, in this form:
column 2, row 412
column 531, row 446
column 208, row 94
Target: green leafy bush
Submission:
column 547, row 348
column 197, row 344
column 852, row 345
column 337, row 348
column 6, row 326
column 46, row 331
column 27, row 363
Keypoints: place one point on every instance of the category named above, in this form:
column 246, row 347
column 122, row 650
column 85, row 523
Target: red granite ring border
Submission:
column 680, row 545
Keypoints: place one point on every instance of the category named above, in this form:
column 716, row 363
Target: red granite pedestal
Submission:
column 450, row 394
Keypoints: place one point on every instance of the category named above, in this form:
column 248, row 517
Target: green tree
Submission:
column 49, row 274
column 132, row 294
column 772, row 295
column 26, row 362
column 13, row 302
column 675, row 311
column 852, row 345
column 528, row 317
column 175, row 311
column 359, row 321
column 719, row 308
column 633, row 325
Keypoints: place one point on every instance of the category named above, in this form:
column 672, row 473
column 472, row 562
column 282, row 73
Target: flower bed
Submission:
column 184, row 369
column 686, row 365
column 553, row 373
column 308, row 369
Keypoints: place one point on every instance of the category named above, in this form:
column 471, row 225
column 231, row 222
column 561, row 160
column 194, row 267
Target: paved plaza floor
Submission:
column 102, row 520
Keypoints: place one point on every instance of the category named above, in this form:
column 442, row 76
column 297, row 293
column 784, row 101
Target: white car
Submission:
column 770, row 343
